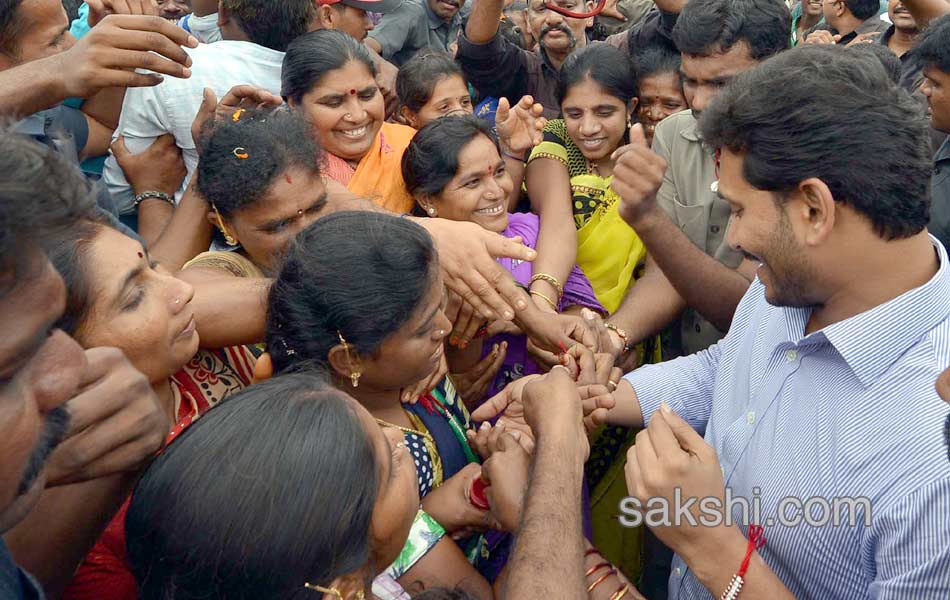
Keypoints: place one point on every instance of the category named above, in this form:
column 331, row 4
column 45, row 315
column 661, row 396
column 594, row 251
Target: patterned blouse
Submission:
column 208, row 378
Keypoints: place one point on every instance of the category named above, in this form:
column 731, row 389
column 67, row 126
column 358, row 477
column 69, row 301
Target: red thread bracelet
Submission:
column 756, row 541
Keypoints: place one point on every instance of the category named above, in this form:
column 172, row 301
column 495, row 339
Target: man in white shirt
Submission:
column 254, row 34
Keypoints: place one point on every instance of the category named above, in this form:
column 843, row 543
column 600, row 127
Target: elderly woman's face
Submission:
column 347, row 110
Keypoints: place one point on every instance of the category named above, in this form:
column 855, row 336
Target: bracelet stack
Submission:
column 550, row 279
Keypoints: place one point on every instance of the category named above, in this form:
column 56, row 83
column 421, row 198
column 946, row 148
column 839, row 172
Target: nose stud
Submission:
column 177, row 300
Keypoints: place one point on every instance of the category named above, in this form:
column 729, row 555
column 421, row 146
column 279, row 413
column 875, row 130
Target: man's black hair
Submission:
column 818, row 111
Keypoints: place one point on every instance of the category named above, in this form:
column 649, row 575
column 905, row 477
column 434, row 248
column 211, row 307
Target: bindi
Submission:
column 352, row 92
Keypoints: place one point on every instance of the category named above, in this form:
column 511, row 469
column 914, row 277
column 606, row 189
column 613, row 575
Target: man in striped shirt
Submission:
column 823, row 390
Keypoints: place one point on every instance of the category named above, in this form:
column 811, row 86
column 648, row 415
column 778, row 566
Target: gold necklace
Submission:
column 429, row 442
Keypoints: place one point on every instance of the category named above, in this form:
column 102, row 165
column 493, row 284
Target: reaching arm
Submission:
column 549, row 188
column 483, row 23
column 446, row 566
column 229, row 310
column 708, row 286
column 650, row 305
column 538, row 568
column 106, row 57
column 187, row 234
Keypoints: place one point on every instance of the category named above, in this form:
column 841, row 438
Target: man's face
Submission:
column 832, row 10
column 762, row 230
column 555, row 32
column 936, row 87
column 42, row 30
column 40, row 369
column 900, row 16
column 446, row 9
column 352, row 21
column 704, row 76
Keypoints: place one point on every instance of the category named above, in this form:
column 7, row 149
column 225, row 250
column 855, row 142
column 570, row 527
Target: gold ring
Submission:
column 612, row 385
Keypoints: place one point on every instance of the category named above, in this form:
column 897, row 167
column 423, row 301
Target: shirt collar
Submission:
column 943, row 153
column 691, row 131
column 886, row 36
column 872, row 341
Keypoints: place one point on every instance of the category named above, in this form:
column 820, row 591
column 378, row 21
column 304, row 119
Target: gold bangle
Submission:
column 591, row 587
column 596, row 567
column 550, row 279
column 545, row 298
column 620, row 593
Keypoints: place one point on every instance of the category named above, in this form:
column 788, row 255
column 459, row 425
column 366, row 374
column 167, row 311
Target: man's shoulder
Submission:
column 681, row 124
column 407, row 9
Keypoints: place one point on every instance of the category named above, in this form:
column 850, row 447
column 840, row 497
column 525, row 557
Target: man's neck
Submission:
column 233, row 33
column 903, row 40
column 806, row 22
column 872, row 278
column 557, row 58
column 847, row 24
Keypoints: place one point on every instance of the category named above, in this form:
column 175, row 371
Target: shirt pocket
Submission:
column 692, row 220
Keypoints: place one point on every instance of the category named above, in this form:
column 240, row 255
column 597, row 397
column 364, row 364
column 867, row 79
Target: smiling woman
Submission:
column 329, row 78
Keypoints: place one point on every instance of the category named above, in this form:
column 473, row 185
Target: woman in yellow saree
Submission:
column 330, row 79
column 568, row 180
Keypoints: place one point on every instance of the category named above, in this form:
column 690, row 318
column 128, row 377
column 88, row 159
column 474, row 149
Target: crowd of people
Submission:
column 391, row 299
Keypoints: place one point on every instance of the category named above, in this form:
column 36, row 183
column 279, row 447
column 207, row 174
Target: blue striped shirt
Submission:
column 848, row 411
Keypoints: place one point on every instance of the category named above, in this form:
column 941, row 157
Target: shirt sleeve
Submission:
column 685, row 385
column 497, row 68
column 142, row 121
column 666, row 195
column 911, row 553
column 394, row 29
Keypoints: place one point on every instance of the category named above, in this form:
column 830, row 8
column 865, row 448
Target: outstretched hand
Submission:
column 238, row 99
column 521, row 127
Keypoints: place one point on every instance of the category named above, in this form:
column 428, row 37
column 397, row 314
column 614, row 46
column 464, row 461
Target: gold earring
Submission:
column 355, row 375
column 230, row 241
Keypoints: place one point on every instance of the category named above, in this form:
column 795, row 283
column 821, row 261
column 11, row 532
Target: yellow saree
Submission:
column 608, row 250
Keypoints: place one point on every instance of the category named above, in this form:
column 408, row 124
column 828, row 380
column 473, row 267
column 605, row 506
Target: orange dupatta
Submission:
column 378, row 176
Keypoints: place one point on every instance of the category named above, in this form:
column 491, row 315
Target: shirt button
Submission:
column 750, row 417
column 678, row 571
column 791, row 356
column 714, row 229
column 698, row 328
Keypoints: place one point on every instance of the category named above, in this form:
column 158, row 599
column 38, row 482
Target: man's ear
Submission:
column 818, row 210
column 223, row 16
